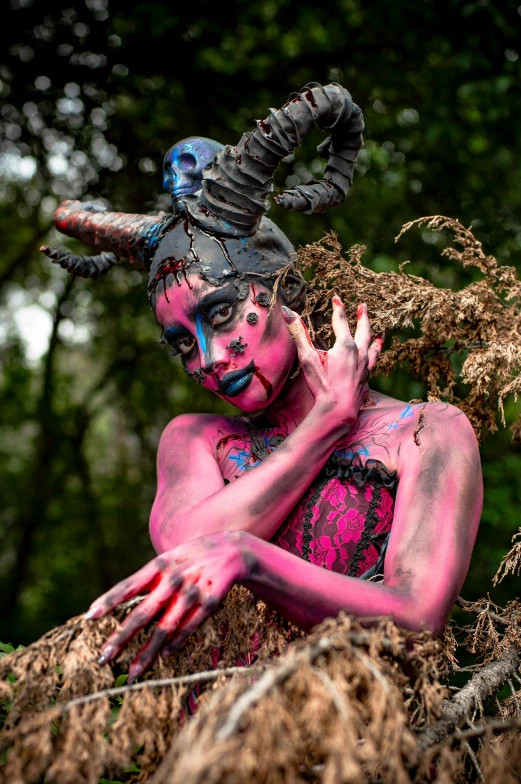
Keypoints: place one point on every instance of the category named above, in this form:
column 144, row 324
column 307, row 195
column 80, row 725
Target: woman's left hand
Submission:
column 187, row 583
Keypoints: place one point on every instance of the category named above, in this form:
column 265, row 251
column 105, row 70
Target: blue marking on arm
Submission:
column 200, row 334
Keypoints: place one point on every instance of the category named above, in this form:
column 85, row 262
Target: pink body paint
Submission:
column 211, row 533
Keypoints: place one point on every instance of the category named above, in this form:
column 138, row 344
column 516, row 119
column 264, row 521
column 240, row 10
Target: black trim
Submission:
column 306, row 536
column 352, row 469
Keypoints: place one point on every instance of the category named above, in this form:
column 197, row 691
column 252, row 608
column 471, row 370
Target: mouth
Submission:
column 237, row 381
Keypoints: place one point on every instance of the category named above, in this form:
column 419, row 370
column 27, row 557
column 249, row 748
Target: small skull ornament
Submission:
column 183, row 165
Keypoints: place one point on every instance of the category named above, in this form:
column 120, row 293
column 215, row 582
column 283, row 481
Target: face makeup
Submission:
column 199, row 323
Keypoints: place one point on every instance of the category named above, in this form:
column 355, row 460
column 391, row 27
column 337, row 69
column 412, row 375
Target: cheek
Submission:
column 270, row 343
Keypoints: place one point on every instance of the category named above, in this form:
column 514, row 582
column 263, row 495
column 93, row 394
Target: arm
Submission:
column 437, row 514
column 438, row 507
column 192, row 499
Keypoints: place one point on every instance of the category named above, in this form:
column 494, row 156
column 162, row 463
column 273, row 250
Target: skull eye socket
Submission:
column 187, row 162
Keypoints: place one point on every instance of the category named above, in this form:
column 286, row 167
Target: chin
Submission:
column 259, row 395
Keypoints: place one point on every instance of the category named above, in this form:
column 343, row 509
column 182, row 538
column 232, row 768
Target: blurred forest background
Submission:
column 92, row 95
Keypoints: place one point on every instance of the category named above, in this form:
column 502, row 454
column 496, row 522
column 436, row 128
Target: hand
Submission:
column 337, row 378
column 188, row 583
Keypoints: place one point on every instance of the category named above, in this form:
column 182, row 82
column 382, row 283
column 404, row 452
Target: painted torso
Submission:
column 343, row 520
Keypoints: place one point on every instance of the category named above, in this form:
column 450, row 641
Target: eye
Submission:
column 180, row 344
column 186, row 161
column 184, row 345
column 220, row 314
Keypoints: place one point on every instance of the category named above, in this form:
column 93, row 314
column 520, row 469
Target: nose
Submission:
column 216, row 357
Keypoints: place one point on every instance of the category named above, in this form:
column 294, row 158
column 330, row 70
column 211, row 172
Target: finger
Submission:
column 297, row 328
column 124, row 590
column 141, row 616
column 339, row 321
column 374, row 351
column 307, row 353
column 174, row 614
column 363, row 329
column 189, row 625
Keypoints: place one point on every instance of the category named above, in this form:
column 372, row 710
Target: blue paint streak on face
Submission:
column 201, row 337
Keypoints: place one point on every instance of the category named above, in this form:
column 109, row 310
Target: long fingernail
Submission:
column 337, row 300
column 134, row 672
column 93, row 613
column 289, row 317
column 106, row 654
column 361, row 310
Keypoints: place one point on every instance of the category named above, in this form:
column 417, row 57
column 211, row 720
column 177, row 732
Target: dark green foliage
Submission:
column 96, row 96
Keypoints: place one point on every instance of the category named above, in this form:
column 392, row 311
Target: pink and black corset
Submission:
column 347, row 514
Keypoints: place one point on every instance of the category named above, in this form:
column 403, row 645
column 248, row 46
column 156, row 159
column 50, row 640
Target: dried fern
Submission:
column 481, row 323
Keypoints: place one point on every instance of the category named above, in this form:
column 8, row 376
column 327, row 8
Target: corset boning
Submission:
column 347, row 514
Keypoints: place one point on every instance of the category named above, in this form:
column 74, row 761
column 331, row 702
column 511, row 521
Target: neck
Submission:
column 293, row 404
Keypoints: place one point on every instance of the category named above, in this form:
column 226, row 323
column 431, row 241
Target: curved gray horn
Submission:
column 237, row 185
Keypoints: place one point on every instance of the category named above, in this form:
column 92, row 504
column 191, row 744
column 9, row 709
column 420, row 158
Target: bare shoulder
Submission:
column 189, row 428
column 444, row 421
column 406, row 433
column 439, row 431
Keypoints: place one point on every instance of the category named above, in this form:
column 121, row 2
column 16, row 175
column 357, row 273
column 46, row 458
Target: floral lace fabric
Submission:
column 347, row 514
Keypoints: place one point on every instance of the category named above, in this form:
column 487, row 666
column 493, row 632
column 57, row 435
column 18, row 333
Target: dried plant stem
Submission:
column 273, row 677
column 482, row 685
column 464, row 604
column 182, row 680
column 482, row 729
column 474, row 761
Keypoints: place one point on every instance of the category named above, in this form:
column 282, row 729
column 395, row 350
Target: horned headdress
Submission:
column 220, row 226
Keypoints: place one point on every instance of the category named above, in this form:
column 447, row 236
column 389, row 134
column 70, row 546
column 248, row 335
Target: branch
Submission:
column 464, row 604
column 197, row 677
column 482, row 685
column 482, row 729
column 273, row 677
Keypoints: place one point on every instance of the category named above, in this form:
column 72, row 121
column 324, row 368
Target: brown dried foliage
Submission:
column 348, row 703
column 351, row 702
column 480, row 324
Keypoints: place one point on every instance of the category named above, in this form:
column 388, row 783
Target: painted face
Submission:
column 228, row 344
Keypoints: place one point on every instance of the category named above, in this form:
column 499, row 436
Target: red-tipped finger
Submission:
column 189, row 625
column 363, row 329
column 169, row 623
column 140, row 617
column 374, row 351
column 124, row 590
column 339, row 323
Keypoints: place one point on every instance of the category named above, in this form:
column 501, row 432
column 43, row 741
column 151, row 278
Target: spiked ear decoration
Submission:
column 237, row 184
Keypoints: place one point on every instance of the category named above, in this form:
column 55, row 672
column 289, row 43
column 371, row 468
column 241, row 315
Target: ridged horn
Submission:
column 119, row 233
column 236, row 187
column 81, row 266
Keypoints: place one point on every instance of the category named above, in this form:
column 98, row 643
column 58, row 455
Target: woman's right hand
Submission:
column 337, row 378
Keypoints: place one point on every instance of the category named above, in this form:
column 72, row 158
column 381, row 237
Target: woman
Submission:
column 321, row 481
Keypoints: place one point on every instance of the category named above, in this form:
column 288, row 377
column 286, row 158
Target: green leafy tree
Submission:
column 92, row 96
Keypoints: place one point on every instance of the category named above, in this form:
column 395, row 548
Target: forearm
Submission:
column 261, row 499
column 307, row 594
